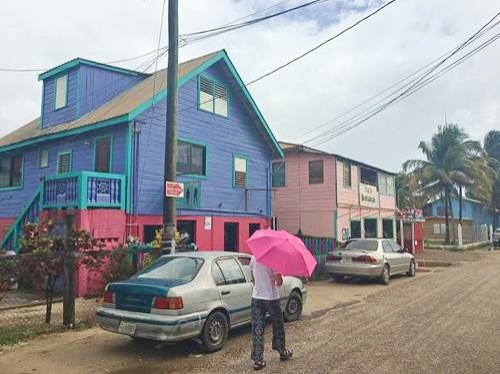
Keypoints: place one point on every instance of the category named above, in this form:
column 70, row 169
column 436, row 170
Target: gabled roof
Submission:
column 131, row 103
column 300, row 148
column 78, row 61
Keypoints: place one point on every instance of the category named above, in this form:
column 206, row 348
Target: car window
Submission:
column 231, row 271
column 395, row 246
column 367, row 245
column 177, row 268
column 387, row 247
column 217, row 275
column 245, row 263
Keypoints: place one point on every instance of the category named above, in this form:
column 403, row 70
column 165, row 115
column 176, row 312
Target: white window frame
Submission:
column 43, row 158
column 61, row 92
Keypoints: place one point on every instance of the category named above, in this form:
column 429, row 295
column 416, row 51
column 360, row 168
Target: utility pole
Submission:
column 169, row 205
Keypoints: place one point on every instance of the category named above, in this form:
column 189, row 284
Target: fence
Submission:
column 32, row 285
column 319, row 247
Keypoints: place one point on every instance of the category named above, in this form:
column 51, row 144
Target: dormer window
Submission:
column 213, row 97
column 61, row 92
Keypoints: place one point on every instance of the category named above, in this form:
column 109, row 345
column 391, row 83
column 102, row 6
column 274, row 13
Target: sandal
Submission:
column 286, row 354
column 259, row 365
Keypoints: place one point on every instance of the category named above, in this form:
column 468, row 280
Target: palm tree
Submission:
column 492, row 150
column 451, row 160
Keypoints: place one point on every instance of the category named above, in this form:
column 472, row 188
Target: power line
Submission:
column 340, row 130
column 321, row 44
column 408, row 84
column 201, row 34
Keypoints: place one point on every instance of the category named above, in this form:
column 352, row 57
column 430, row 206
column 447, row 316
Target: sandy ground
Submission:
column 447, row 321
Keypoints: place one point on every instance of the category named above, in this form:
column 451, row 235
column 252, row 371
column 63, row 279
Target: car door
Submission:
column 401, row 257
column 390, row 256
column 234, row 289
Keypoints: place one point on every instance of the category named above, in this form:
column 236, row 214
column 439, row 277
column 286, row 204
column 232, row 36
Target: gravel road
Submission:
column 445, row 322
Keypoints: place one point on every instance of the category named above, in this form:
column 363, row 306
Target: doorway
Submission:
column 355, row 229
column 231, row 236
column 370, row 228
column 189, row 228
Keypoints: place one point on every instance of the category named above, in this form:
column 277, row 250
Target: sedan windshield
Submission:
column 367, row 245
column 178, row 268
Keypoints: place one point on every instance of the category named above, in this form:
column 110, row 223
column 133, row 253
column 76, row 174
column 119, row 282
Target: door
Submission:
column 401, row 257
column 390, row 256
column 234, row 289
column 370, row 227
column 231, row 236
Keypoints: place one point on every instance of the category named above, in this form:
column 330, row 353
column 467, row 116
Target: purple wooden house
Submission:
column 98, row 147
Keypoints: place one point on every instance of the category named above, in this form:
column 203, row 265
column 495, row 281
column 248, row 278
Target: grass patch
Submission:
column 10, row 335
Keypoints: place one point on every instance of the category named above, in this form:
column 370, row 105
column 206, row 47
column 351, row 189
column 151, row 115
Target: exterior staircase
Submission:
column 28, row 214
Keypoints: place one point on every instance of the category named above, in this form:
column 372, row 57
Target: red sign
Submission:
column 175, row 189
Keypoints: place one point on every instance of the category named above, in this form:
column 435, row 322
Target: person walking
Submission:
column 265, row 298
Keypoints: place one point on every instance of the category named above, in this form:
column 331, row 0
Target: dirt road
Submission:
column 444, row 322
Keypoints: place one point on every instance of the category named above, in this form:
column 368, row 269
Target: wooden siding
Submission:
column 98, row 86
column 82, row 148
column 51, row 116
column 300, row 205
column 223, row 137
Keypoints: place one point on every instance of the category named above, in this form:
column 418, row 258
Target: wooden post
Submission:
column 69, row 273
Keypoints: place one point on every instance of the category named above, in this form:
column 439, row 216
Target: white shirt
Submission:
column 265, row 287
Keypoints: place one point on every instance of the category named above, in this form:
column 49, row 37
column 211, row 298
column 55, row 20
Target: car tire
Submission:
column 293, row 308
column 215, row 331
column 386, row 275
column 412, row 271
column 338, row 278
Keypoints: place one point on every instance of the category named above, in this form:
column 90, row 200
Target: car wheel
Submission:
column 215, row 332
column 412, row 271
column 385, row 277
column 338, row 278
column 293, row 309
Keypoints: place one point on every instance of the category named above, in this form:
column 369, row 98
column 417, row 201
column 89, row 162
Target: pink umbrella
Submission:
column 283, row 252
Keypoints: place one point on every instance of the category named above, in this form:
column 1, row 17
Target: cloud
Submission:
column 391, row 45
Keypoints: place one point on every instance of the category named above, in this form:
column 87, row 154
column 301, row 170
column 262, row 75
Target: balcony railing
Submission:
column 84, row 190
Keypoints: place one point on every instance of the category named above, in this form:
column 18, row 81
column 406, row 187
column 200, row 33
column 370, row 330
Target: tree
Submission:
column 492, row 150
column 407, row 192
column 452, row 160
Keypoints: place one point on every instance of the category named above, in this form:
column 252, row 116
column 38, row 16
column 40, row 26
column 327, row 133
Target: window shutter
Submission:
column 220, row 107
column 63, row 163
column 206, row 94
column 240, row 172
column 61, row 92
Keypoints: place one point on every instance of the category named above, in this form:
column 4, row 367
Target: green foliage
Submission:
column 10, row 335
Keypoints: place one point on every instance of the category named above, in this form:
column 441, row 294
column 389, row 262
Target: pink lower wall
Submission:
column 211, row 239
column 4, row 226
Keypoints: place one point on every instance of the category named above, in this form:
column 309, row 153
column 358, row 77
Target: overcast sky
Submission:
column 368, row 59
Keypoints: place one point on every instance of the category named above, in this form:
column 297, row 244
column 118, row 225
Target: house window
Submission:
column 347, row 174
column 103, row 154
column 61, row 92
column 278, row 174
column 191, row 158
column 369, row 176
column 252, row 227
column 316, row 172
column 43, row 158
column 11, row 171
column 64, row 163
column 213, row 97
column 240, row 172
column 386, row 184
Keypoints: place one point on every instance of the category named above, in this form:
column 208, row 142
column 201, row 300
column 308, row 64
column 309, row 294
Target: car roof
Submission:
column 206, row 255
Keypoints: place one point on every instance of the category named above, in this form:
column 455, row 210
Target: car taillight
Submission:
column 108, row 297
column 330, row 257
column 168, row 303
column 365, row 258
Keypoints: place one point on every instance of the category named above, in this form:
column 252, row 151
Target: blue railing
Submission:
column 29, row 214
column 84, row 190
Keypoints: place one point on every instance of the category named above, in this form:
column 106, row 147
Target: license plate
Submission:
column 346, row 259
column 127, row 328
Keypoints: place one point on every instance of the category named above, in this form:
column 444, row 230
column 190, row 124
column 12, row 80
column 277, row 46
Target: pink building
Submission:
column 327, row 195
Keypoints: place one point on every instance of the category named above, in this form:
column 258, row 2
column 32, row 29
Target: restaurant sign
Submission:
column 368, row 195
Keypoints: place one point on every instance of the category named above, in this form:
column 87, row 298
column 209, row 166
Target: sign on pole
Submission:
column 174, row 189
